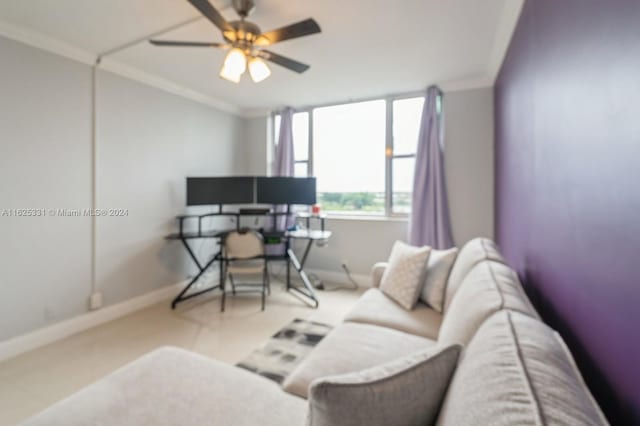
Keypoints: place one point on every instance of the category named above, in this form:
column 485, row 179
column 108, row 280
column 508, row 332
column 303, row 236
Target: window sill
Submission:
column 364, row 218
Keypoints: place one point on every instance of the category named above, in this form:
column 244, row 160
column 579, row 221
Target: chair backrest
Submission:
column 243, row 244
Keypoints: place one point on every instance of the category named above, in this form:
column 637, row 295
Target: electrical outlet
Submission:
column 345, row 264
column 95, row 301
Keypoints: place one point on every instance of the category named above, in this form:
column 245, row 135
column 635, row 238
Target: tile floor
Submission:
column 35, row 380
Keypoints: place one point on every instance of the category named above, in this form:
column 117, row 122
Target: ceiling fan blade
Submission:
column 283, row 61
column 185, row 43
column 299, row 29
column 211, row 14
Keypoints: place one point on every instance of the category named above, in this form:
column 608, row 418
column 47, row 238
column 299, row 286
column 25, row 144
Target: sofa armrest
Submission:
column 171, row 386
column 376, row 273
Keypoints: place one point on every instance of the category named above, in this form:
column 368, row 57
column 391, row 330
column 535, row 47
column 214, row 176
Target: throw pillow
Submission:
column 404, row 277
column 406, row 391
column 435, row 283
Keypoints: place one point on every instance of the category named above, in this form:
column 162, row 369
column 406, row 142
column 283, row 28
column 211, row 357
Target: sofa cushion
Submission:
column 351, row 347
column 404, row 277
column 435, row 281
column 171, row 386
column 516, row 371
column 373, row 307
column 472, row 253
column 407, row 391
column 489, row 287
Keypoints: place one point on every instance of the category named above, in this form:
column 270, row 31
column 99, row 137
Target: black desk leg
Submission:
column 192, row 254
column 307, row 290
column 287, row 249
column 181, row 297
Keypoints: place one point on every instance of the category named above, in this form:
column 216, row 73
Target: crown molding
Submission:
column 255, row 112
column 166, row 85
column 480, row 82
column 471, row 83
column 505, row 28
column 57, row 47
column 43, row 42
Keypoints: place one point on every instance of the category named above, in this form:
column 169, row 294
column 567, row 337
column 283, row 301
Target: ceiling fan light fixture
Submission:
column 246, row 40
column 258, row 70
column 229, row 76
column 235, row 64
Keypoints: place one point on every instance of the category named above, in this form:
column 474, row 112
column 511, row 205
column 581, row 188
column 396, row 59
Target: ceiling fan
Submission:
column 246, row 42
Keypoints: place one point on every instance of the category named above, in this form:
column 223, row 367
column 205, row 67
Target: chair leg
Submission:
column 264, row 285
column 268, row 279
column 233, row 285
column 224, row 292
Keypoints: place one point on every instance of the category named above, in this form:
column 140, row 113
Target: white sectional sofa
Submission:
column 513, row 369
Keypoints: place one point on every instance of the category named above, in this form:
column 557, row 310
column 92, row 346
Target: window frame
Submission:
column 388, row 152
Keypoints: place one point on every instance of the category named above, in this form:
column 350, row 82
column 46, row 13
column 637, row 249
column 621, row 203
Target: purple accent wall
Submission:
column 568, row 183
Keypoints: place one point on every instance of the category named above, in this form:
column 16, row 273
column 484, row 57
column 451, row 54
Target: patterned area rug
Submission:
column 285, row 350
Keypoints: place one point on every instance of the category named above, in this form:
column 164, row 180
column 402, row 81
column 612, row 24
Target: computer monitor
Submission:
column 202, row 191
column 286, row 190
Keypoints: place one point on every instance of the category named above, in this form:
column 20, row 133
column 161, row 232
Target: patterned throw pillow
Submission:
column 435, row 283
column 405, row 391
column 404, row 277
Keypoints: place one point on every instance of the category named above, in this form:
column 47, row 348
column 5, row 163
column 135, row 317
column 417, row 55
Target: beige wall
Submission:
column 45, row 162
column 469, row 162
column 148, row 141
column 257, row 141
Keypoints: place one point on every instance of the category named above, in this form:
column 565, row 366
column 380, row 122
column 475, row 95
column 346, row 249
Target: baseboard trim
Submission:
column 20, row 344
column 27, row 342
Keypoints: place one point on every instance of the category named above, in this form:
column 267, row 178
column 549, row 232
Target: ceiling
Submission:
column 367, row 48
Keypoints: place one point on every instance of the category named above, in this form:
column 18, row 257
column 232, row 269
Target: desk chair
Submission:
column 244, row 254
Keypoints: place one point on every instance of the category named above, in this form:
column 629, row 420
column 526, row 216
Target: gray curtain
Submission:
column 429, row 223
column 284, row 161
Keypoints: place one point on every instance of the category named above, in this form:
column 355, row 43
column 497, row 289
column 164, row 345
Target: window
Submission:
column 348, row 157
column 363, row 154
column 406, row 127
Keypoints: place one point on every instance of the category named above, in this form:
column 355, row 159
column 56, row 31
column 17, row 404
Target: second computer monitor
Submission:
column 286, row 190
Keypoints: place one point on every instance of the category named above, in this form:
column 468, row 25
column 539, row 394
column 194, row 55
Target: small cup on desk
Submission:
column 315, row 209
